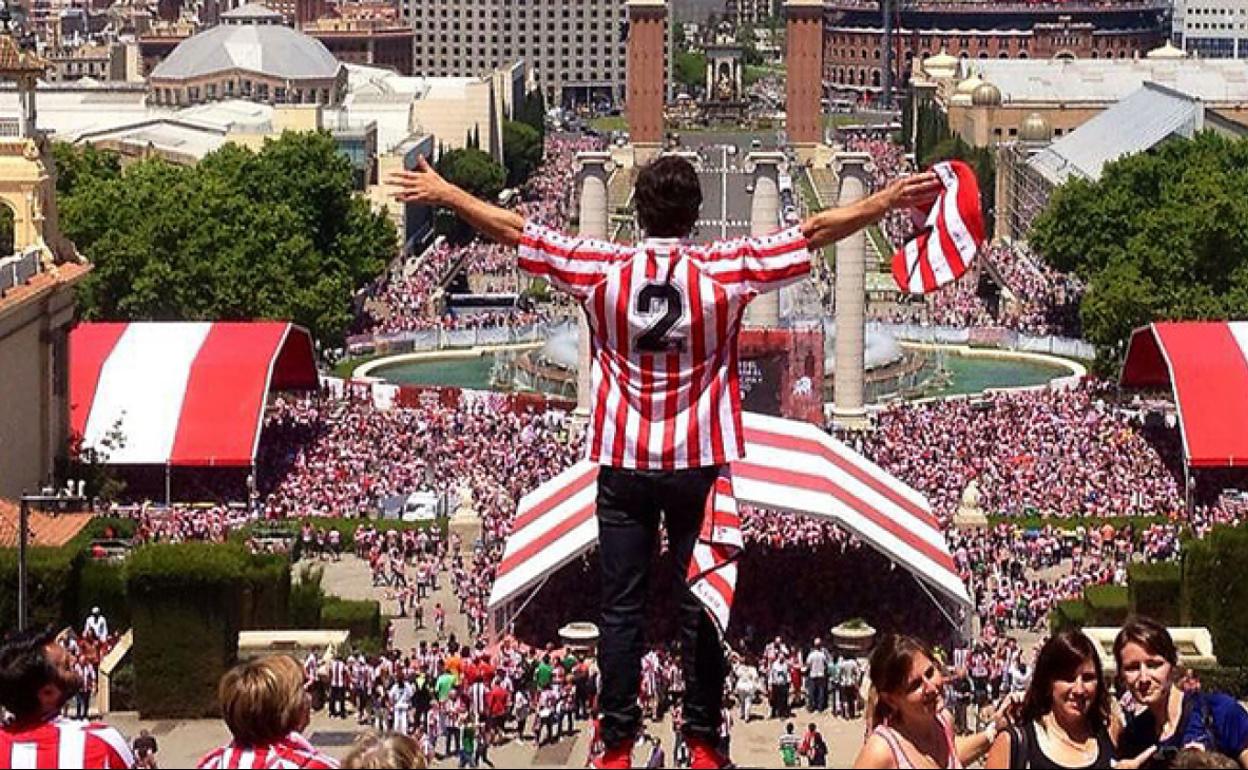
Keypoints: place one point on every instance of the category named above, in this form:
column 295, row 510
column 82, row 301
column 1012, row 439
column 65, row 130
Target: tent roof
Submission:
column 183, row 394
column 1206, row 363
column 791, row 466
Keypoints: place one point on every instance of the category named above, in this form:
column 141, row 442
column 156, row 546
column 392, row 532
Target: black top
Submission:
column 1026, row 753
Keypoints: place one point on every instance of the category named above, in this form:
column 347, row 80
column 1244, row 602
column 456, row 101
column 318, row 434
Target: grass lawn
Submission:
column 608, row 123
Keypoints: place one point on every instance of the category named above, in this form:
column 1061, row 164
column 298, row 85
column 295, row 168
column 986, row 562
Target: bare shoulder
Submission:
column 875, row 752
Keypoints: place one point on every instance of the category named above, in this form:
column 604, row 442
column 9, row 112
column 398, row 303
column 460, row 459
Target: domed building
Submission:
column 986, row 95
column 1035, row 129
column 251, row 55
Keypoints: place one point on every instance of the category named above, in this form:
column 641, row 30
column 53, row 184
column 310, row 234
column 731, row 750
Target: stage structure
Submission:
column 790, row 466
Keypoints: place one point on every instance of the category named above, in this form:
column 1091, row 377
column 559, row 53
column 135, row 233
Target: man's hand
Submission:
column 423, row 185
column 912, row 191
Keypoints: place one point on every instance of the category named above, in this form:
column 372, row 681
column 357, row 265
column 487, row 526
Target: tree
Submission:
column 690, row 70
column 474, row 171
column 532, row 112
column 77, row 164
column 522, row 150
column 275, row 234
column 1162, row 235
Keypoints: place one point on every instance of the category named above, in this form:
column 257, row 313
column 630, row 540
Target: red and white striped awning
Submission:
column 183, row 394
column 790, row 466
column 1206, row 363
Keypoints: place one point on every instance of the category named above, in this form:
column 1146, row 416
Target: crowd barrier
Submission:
column 429, row 340
column 989, row 336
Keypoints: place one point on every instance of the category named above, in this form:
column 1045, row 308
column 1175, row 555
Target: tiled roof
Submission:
column 45, row 529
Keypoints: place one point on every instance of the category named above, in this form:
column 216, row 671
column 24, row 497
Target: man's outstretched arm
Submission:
column 831, row 225
column 426, row 186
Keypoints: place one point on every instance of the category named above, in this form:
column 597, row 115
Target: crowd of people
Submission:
column 1044, row 301
column 410, row 299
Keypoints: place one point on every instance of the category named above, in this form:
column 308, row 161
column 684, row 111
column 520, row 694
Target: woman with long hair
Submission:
column 1064, row 721
column 912, row 727
column 1172, row 720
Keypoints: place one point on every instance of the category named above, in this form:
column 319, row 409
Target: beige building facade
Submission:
column 575, row 49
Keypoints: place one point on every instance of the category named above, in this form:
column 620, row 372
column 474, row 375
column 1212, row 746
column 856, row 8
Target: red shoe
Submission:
column 704, row 754
column 619, row 757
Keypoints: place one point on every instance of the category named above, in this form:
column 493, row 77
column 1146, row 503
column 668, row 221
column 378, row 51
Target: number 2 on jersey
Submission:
column 654, row 339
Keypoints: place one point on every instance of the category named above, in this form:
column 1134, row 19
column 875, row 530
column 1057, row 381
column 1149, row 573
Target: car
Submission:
column 756, row 144
column 749, row 188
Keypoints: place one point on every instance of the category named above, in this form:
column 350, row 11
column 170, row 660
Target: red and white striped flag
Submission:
column 950, row 236
column 712, row 575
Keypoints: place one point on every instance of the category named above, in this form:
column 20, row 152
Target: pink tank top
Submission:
column 903, row 760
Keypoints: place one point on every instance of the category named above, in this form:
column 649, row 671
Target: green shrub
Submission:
column 1072, row 613
column 1232, row 680
column 345, row 526
column 361, row 618
column 1156, row 590
column 1107, row 605
column 185, row 607
column 1140, row 523
column 1215, row 593
column 307, row 598
column 121, row 688
column 266, row 593
column 101, row 584
column 49, row 582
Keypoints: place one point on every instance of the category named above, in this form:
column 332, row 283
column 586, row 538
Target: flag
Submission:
column 950, row 235
column 712, row 575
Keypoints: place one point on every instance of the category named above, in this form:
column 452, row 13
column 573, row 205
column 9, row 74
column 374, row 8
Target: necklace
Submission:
column 1053, row 729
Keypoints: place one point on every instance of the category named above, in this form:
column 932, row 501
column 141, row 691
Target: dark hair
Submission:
column 1150, row 635
column 891, row 661
column 668, row 197
column 1059, row 658
column 25, row 669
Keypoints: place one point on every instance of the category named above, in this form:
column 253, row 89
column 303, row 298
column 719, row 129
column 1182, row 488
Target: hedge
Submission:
column 1215, row 593
column 1107, row 605
column 101, row 584
column 186, row 611
column 1140, row 523
column 50, row 582
column 266, row 593
column 307, row 598
column 345, row 526
column 361, row 618
column 1156, row 590
column 54, row 579
column 1232, row 680
column 1071, row 613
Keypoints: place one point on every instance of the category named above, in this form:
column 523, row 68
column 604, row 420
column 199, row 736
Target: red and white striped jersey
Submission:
column 64, row 742
column 664, row 316
column 288, row 754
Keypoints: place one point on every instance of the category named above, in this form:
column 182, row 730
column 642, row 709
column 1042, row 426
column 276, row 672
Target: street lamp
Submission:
column 59, row 502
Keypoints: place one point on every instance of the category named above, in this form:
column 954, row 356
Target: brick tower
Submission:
column 804, row 78
column 647, row 47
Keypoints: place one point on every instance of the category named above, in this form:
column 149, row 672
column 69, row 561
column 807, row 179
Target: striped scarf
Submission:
column 949, row 238
column 712, row 575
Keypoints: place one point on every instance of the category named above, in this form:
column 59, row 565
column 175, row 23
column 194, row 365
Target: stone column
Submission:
column 647, row 46
column 804, row 74
column 594, row 170
column 764, row 312
column 710, row 78
column 848, row 408
column 736, row 76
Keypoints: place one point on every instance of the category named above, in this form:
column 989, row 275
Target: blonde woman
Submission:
column 375, row 751
column 266, row 707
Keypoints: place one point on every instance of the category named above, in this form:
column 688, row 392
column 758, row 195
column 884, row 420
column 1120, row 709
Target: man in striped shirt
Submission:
column 266, row 707
column 37, row 678
column 664, row 316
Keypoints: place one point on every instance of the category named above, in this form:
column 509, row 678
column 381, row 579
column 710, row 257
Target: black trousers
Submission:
column 629, row 504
